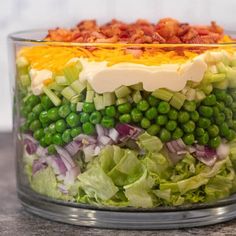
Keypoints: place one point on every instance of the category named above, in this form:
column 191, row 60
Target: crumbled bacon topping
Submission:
column 167, row 30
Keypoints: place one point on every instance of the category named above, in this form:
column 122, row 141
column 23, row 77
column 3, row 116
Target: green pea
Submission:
column 52, row 128
column 153, row 129
column 88, row 107
column 204, row 122
column 178, row 133
column 161, row 120
column 214, row 142
column 194, row 115
column 51, row 149
column 216, row 110
column 231, row 135
column 124, row 108
column 31, row 116
column 65, row 101
column 34, row 125
column 163, row 107
column 228, row 113
column 233, row 93
column 220, row 94
column 110, row 111
column 125, row 118
column 24, row 127
column 84, row 117
column 210, row 100
column 38, row 109
column 153, row 101
column 88, row 128
column 73, row 107
column 60, row 126
column 42, row 142
column 43, row 117
column 38, row 134
column 203, row 140
column 206, row 111
column 151, row 113
column 24, row 111
column 224, row 129
column 188, row 139
column 64, row 110
column 66, row 136
column 46, row 102
column 233, row 107
column 145, row 123
column 72, row 119
column 53, row 114
column 173, row 114
column 234, row 125
column 213, row 131
column 48, row 138
column 143, row 105
column 171, row 125
column 165, row 135
column 228, row 100
column 95, row 117
column 183, row 116
column 136, row 115
column 189, row 106
column 220, row 118
column 75, row 131
column 57, row 139
column 108, row 122
column 199, row 131
column 189, row 126
column 32, row 100
column 220, row 106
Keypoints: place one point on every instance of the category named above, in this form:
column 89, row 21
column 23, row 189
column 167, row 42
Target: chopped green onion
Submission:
column 109, row 99
column 52, row 96
column 25, row 80
column 89, row 96
column 136, row 96
column 68, row 93
column 79, row 106
column 77, row 86
column 61, row 80
column 122, row 92
column 71, row 72
column 177, row 100
column 163, row 94
column 98, row 102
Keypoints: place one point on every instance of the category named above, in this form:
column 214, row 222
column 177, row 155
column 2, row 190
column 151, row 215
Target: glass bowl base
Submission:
column 138, row 219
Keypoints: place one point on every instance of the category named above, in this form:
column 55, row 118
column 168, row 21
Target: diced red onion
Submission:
column 42, row 152
column 37, row 166
column 63, row 188
column 104, row 140
column 170, row 147
column 85, row 139
column 222, row 151
column 89, row 152
column 191, row 149
column 100, row 130
column 114, row 135
column 182, row 152
column 30, row 147
column 59, row 165
column 181, row 143
column 73, row 147
column 127, row 131
column 66, row 158
column 71, row 175
column 209, row 161
column 29, row 137
column 207, row 156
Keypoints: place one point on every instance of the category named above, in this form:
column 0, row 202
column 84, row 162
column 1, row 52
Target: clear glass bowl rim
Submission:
column 19, row 37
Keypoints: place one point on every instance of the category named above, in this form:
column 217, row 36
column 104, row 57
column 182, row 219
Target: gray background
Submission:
column 27, row 14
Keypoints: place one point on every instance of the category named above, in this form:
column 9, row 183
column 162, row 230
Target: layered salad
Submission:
column 129, row 115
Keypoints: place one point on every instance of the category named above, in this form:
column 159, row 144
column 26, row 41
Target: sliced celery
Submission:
column 233, row 63
column 79, row 106
column 138, row 86
column 98, row 102
column 190, row 95
column 121, row 101
column 25, row 80
column 122, row 92
column 221, row 67
column 21, row 62
column 177, row 100
column 55, row 86
column 75, row 99
column 231, row 76
column 53, row 97
column 136, row 96
column 213, row 69
column 221, row 85
column 89, row 87
column 68, row 93
column 109, row 99
column 163, row 94
column 61, row 80
column 89, row 96
column 212, row 78
column 200, row 95
column 71, row 72
column 207, row 88
column 77, row 86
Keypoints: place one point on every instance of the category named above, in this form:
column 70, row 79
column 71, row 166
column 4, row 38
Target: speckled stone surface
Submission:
column 14, row 221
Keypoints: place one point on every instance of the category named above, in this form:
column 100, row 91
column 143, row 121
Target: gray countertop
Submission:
column 15, row 221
